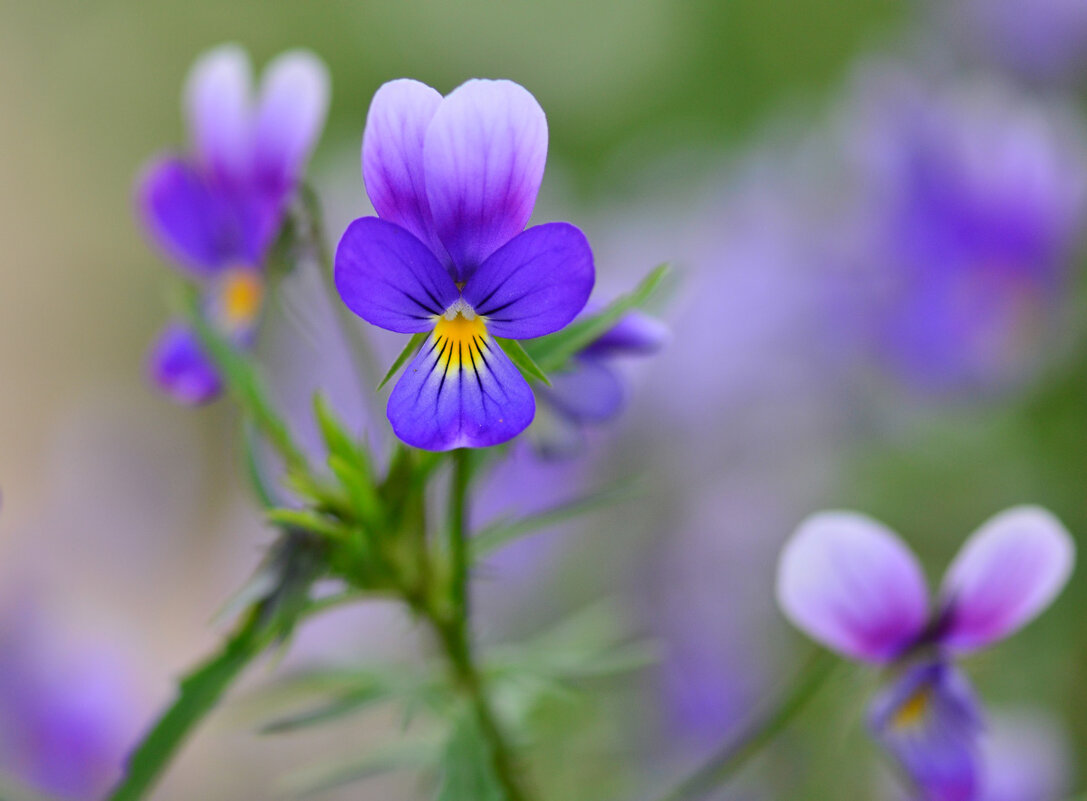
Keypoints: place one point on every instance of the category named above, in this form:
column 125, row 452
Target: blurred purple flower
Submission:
column 67, row 715
column 217, row 211
column 1042, row 40
column 590, row 391
column 852, row 585
column 974, row 198
column 454, row 181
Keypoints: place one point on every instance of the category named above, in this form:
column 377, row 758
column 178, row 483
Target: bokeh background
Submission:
column 875, row 209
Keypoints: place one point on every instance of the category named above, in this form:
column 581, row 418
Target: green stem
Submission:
column 454, row 632
column 728, row 761
column 198, row 694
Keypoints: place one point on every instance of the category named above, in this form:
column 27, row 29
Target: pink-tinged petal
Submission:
column 389, row 278
column 929, row 720
column 460, row 391
column 289, row 118
column 534, row 284
column 484, row 157
column 178, row 366
column 184, row 216
column 848, row 582
column 1007, row 573
column 218, row 107
column 392, row 157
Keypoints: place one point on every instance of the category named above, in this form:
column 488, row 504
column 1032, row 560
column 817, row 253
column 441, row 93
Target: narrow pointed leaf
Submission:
column 522, row 361
column 554, row 350
column 409, row 351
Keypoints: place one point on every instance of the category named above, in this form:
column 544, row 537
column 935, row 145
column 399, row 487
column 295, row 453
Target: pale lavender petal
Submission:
column 930, row 722
column 636, row 333
column 184, row 216
column 534, row 284
column 389, row 278
column 1006, row 574
column 218, row 106
column 848, row 582
column 460, row 391
column 484, row 158
column 289, row 118
column 589, row 392
column 392, row 157
column 178, row 366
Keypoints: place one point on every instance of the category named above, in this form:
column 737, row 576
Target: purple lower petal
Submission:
column 635, row 333
column 460, row 391
column 848, row 582
column 930, row 722
column 590, row 392
column 1006, row 574
column 534, row 284
column 179, row 367
column 389, row 278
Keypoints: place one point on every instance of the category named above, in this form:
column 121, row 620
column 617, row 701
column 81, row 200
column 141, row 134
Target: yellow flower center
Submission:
column 239, row 298
column 912, row 712
column 459, row 336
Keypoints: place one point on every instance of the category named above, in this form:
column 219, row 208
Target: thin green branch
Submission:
column 727, row 762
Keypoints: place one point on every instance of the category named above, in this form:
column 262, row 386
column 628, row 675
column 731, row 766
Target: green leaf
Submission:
column 338, row 707
column 337, row 439
column 519, row 356
column 409, row 351
column 420, row 753
column 498, row 535
column 554, row 350
column 307, row 521
column 198, row 693
column 466, row 765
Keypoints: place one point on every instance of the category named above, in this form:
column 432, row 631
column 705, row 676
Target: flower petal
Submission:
column 291, row 112
column 589, row 392
column 184, row 216
column 534, row 284
column 1008, row 572
column 460, row 391
column 484, row 158
column 389, row 278
column 930, row 721
column 217, row 103
column 850, row 583
column 636, row 333
column 392, row 157
column 177, row 364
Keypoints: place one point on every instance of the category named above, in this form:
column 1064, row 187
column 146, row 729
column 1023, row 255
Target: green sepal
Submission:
column 522, row 361
column 409, row 351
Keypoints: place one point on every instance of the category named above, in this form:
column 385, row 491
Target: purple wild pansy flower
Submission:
column 454, row 181
column 218, row 210
column 589, row 391
column 851, row 584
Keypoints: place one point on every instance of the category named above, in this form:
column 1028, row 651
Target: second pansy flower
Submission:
column 454, row 181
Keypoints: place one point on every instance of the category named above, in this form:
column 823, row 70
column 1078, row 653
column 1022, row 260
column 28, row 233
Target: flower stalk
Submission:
column 723, row 765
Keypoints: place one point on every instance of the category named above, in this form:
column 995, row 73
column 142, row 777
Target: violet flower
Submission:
column 975, row 196
column 851, row 584
column 454, row 181
column 590, row 391
column 217, row 211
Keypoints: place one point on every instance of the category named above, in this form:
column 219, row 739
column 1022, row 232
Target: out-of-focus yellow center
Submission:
column 241, row 292
column 913, row 710
column 460, row 336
